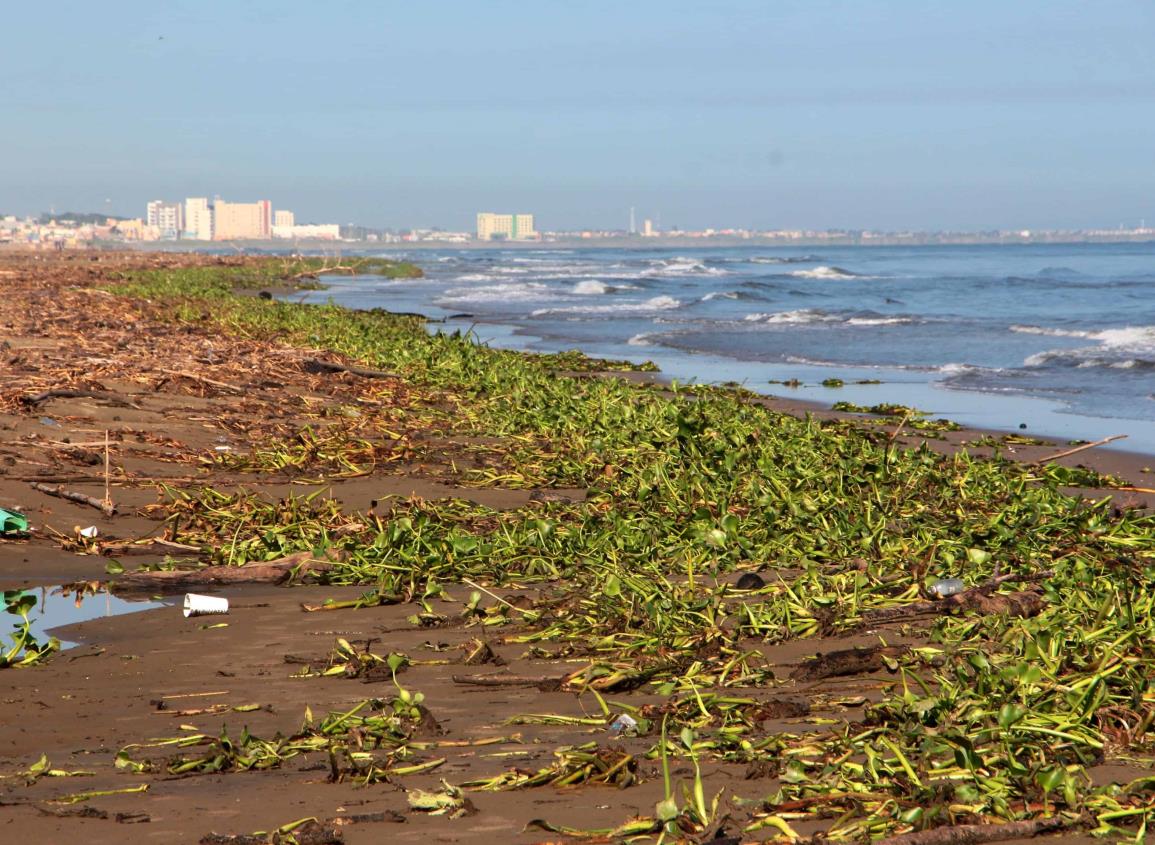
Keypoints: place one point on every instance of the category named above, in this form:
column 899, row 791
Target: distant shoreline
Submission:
column 625, row 243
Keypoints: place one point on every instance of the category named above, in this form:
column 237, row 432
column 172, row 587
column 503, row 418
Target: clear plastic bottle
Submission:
column 947, row 587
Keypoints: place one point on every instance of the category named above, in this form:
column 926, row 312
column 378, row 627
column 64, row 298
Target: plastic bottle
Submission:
column 947, row 587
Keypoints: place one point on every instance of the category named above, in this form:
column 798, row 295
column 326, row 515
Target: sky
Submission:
column 905, row 114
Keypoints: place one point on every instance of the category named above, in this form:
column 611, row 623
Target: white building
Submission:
column 309, row 231
column 198, row 219
column 167, row 218
column 283, row 218
column 505, row 227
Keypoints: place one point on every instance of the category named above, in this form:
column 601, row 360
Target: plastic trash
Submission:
column 12, row 522
column 89, row 532
column 623, row 724
column 48, row 421
column 198, row 605
column 947, row 587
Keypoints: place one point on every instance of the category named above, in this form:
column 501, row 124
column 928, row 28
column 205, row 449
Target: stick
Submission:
column 971, row 834
column 315, row 365
column 107, row 496
column 232, row 388
column 271, row 572
column 534, row 614
column 501, row 680
column 103, row 395
column 894, row 434
column 106, row 507
column 1077, row 449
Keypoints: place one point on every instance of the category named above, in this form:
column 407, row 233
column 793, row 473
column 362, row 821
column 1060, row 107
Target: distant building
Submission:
column 242, row 220
column 198, row 219
column 505, row 227
column 283, row 218
column 648, row 229
column 309, row 231
column 166, row 217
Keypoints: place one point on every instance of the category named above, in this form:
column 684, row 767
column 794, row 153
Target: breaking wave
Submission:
column 825, row 272
column 657, row 303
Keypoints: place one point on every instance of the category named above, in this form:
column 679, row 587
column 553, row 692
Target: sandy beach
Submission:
column 235, row 438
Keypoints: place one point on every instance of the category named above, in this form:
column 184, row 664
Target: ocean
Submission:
column 1059, row 338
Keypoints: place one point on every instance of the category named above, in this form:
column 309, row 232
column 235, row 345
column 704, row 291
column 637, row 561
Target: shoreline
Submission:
column 463, row 527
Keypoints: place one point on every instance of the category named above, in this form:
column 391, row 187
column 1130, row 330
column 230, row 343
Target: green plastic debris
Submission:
column 12, row 522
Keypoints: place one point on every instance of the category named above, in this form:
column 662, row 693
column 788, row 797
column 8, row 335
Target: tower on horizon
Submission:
column 633, row 223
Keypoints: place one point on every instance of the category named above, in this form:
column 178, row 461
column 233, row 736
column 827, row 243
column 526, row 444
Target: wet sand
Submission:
column 181, row 395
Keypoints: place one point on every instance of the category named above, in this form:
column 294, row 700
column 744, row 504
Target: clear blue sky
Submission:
column 921, row 114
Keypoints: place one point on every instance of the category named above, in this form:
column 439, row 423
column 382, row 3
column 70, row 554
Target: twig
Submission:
column 521, row 610
column 232, row 388
column 106, row 507
column 315, row 365
column 103, row 395
column 1077, row 449
column 898, row 430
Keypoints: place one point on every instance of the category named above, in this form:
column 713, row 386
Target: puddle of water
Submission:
column 55, row 608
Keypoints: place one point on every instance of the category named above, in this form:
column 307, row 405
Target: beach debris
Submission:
column 281, row 570
column 103, row 505
column 624, row 725
column 88, row 533
column 316, row 365
column 947, row 587
column 304, row 832
column 750, row 581
column 1078, row 449
column 101, row 395
column 449, row 801
column 13, row 522
column 849, row 661
column 199, row 605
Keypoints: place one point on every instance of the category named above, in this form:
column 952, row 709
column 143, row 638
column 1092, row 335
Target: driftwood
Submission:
column 220, row 385
column 270, row 572
column 972, row 834
column 850, row 661
column 63, row 393
column 105, row 506
column 311, row 833
column 980, row 599
column 544, row 684
column 316, row 365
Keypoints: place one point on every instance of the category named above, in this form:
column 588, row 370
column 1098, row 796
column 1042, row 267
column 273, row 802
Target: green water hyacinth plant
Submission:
column 1000, row 709
column 22, row 648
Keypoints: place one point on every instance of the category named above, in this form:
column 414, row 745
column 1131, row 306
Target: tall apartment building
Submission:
column 281, row 217
column 242, row 220
column 198, row 219
column 505, row 227
column 166, row 217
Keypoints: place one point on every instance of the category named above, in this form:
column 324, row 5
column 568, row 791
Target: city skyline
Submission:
column 739, row 113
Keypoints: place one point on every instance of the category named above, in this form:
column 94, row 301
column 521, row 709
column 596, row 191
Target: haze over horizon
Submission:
column 734, row 113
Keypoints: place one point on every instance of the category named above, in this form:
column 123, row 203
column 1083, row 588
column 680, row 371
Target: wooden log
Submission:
column 105, row 506
column 315, row 365
column 270, row 572
column 972, row 834
column 1077, row 449
column 68, row 393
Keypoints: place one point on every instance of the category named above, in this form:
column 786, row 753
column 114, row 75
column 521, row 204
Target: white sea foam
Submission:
column 878, row 321
column 682, row 267
column 720, row 294
column 591, row 287
column 1049, row 332
column 507, row 292
column 642, row 339
column 804, row 315
column 657, row 303
column 825, row 273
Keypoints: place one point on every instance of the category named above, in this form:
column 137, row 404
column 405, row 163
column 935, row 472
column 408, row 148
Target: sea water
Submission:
column 1058, row 337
